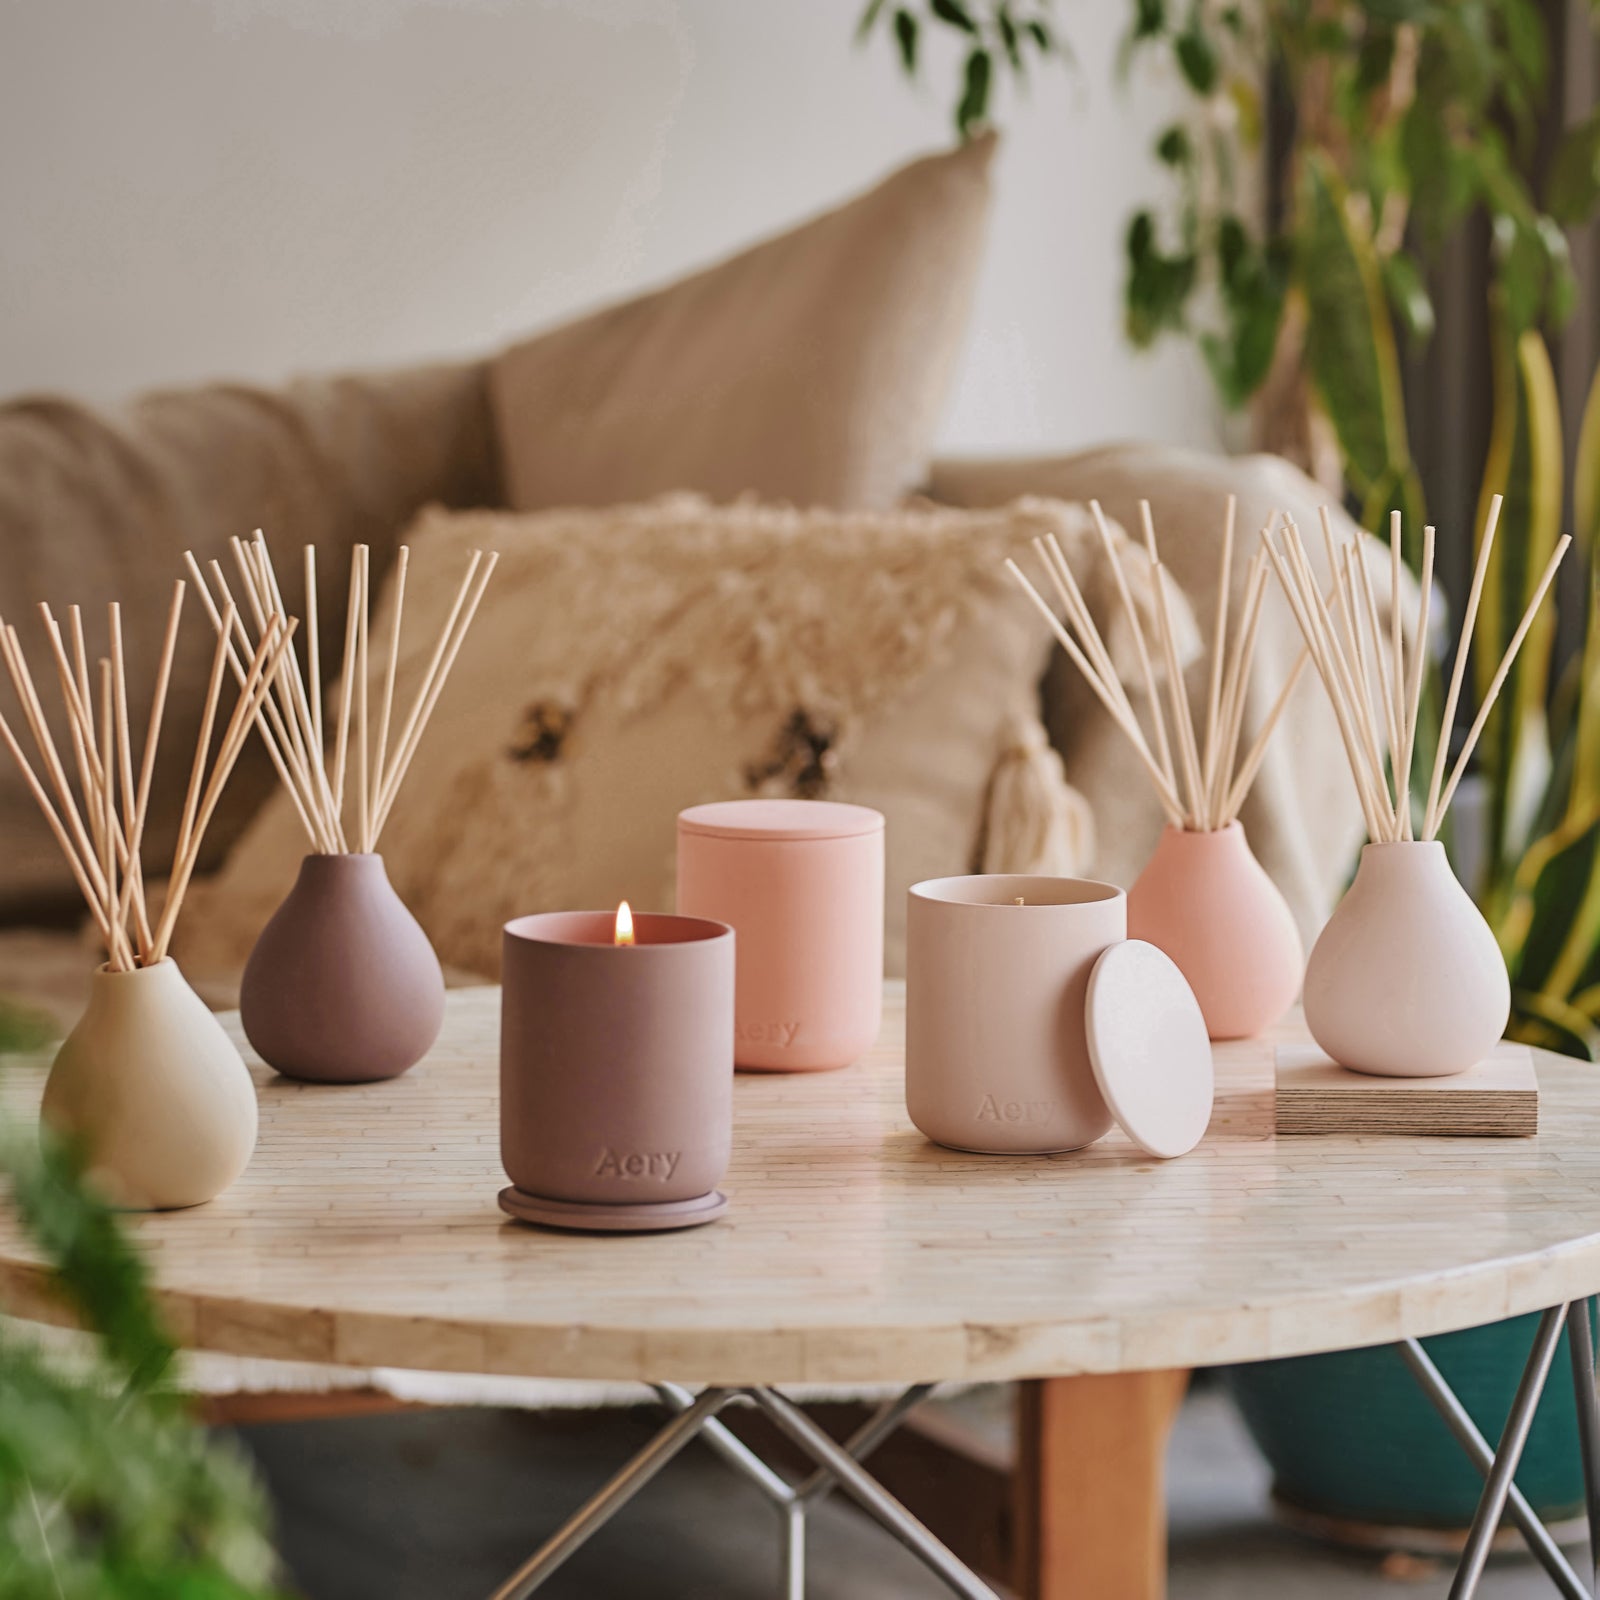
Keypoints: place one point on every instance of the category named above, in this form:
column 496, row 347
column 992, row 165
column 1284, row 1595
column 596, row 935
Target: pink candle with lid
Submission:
column 801, row 881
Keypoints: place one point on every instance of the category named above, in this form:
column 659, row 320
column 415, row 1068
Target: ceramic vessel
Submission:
column 342, row 986
column 616, row 1068
column 1406, row 981
column 802, row 883
column 997, row 1055
column 1207, row 901
column 154, row 1088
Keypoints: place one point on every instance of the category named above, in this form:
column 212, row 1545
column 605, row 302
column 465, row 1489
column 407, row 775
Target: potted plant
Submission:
column 109, row 1487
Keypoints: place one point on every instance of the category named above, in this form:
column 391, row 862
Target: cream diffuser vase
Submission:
column 154, row 1090
column 148, row 1085
column 1205, row 900
column 343, row 985
column 1407, row 980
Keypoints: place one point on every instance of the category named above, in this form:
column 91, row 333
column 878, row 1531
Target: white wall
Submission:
column 199, row 188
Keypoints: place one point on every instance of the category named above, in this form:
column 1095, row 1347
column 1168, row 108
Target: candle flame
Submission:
column 624, row 931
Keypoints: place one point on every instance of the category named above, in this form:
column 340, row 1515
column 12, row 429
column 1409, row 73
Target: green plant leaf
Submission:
column 1408, row 294
column 1197, row 57
column 1010, row 40
column 869, row 19
column 953, row 12
column 1573, row 192
column 1159, row 285
column 905, row 34
column 974, row 104
column 1149, row 18
column 1350, row 346
column 1173, row 148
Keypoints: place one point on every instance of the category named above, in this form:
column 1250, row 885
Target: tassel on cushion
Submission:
column 1034, row 820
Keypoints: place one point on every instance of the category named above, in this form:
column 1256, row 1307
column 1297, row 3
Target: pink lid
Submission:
column 780, row 819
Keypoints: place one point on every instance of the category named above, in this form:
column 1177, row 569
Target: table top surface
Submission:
column 366, row 1233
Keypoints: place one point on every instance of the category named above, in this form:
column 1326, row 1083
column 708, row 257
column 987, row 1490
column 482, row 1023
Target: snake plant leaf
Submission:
column 1586, row 473
column 1583, row 796
column 1539, row 1019
column 1550, row 930
column 1350, row 344
column 1525, row 466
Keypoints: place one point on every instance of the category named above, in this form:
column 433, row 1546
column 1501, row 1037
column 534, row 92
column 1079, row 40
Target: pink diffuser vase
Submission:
column 342, row 986
column 1205, row 900
column 1407, row 980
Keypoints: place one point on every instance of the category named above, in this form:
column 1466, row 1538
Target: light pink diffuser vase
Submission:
column 616, row 1071
column 802, row 883
column 1207, row 902
column 342, row 986
column 997, row 1053
column 1407, row 980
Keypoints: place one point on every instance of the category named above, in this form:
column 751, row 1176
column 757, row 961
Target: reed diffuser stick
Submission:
column 342, row 796
column 1202, row 790
column 1379, row 713
column 105, row 853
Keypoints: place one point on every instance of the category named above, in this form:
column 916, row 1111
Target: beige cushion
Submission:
column 1302, row 816
column 631, row 662
column 97, row 506
column 810, row 369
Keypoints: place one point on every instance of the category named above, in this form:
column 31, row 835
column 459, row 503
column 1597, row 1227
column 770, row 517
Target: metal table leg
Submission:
column 1481, row 1454
column 857, row 1482
column 837, row 1466
column 606, row 1502
column 1499, row 1465
column 1580, row 1341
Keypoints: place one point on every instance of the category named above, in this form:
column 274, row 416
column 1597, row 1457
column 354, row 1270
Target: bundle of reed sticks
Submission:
column 343, row 783
column 1203, row 788
column 1377, row 706
column 101, row 827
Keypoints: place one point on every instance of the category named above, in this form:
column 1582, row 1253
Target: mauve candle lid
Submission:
column 780, row 819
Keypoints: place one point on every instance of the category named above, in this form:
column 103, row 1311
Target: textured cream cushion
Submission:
column 810, row 369
column 631, row 662
column 1302, row 814
column 98, row 506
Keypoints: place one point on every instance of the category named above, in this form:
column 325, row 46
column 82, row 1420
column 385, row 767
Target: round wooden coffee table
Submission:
column 366, row 1233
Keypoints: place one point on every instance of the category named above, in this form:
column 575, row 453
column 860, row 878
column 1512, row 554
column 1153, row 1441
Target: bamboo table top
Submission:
column 366, row 1233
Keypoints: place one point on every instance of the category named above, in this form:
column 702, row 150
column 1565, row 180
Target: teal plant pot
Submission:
column 1351, row 1435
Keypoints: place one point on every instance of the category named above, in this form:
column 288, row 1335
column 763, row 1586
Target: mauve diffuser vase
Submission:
column 1407, row 980
column 154, row 1089
column 1205, row 900
column 343, row 985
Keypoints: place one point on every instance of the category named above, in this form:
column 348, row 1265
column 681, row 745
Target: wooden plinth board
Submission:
column 1499, row 1097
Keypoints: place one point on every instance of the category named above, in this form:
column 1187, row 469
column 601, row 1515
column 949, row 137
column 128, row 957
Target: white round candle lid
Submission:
column 1149, row 1048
